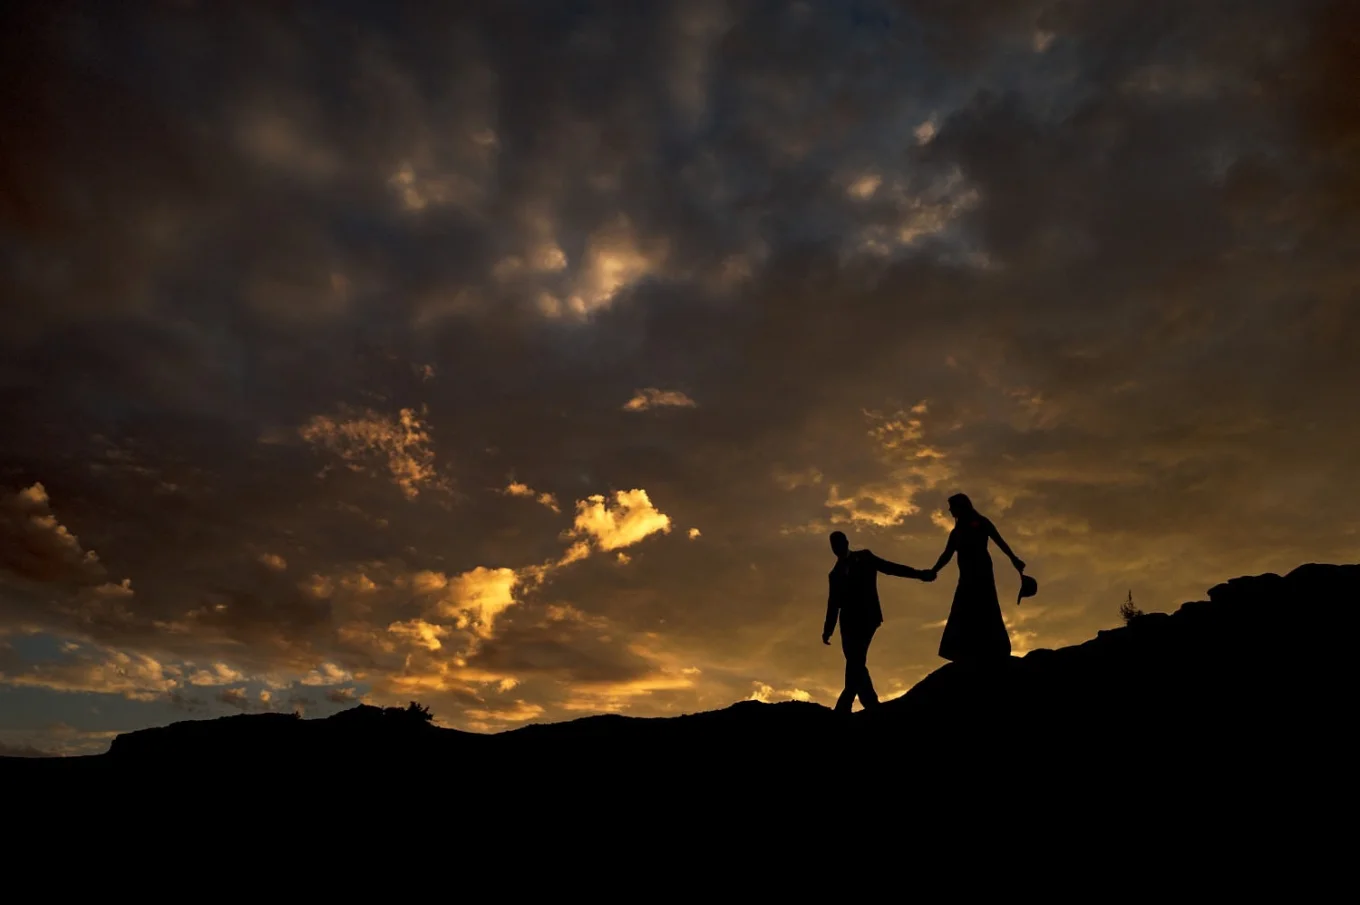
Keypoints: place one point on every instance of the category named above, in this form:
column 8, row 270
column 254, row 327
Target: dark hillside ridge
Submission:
column 1255, row 682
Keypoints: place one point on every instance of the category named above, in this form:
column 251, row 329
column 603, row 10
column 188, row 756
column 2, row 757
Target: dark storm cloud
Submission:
column 1090, row 261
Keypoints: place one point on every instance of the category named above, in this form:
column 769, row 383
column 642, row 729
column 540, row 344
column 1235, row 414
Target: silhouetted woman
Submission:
column 975, row 630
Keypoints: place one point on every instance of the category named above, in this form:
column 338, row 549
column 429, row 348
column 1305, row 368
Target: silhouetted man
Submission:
column 854, row 598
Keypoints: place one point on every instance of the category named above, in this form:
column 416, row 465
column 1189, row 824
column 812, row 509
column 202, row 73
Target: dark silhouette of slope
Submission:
column 1246, row 695
column 1265, row 651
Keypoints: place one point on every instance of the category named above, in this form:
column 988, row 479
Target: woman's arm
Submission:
column 946, row 556
column 996, row 536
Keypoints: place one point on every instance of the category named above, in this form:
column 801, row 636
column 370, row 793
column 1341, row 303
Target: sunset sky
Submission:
column 518, row 357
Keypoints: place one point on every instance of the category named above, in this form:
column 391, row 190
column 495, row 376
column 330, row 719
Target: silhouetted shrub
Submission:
column 1128, row 612
column 413, row 713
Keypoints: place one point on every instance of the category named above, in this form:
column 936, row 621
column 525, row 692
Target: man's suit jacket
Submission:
column 853, row 592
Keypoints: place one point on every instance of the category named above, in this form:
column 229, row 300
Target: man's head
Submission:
column 840, row 544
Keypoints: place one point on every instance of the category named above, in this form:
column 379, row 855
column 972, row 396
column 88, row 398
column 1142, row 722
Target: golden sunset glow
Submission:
column 521, row 364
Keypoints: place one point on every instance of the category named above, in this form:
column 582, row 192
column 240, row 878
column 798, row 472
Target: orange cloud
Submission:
column 218, row 674
column 519, row 712
column 519, row 489
column 401, row 443
column 767, row 694
column 912, row 466
column 327, row 674
column 420, row 632
column 477, row 597
column 631, row 519
column 35, row 546
column 273, row 562
column 612, row 697
column 651, row 397
column 614, row 260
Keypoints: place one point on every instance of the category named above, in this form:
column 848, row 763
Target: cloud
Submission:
column 547, row 500
column 273, row 561
column 401, row 443
column 630, row 519
column 909, row 466
column 35, row 547
column 1131, row 351
column 97, row 670
column 518, row 712
column 882, row 505
column 11, row 750
column 766, row 694
column 477, row 597
column 612, row 697
column 575, row 553
column 616, row 257
column 419, row 191
column 218, row 674
column 651, row 397
column 865, row 186
column 326, row 674
column 235, row 697
column 54, row 739
column 420, row 632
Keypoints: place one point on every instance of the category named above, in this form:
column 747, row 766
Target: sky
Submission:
column 518, row 358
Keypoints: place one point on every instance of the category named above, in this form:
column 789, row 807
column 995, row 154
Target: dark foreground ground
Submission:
column 1227, row 725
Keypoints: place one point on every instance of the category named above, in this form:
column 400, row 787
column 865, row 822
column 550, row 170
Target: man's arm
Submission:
column 832, row 611
column 892, row 568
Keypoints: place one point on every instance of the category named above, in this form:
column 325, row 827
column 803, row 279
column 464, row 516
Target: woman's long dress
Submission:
column 975, row 629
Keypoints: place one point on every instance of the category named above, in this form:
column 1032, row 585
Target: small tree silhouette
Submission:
column 1127, row 611
column 419, row 713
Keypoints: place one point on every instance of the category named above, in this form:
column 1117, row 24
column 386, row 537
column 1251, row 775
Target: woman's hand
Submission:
column 1019, row 564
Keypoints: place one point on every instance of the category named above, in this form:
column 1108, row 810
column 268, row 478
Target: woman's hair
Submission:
column 961, row 501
